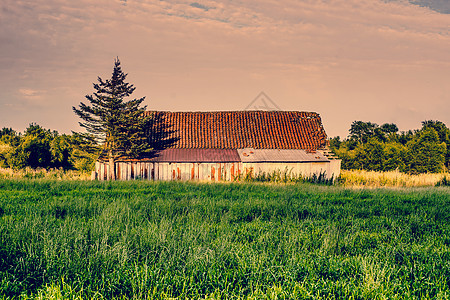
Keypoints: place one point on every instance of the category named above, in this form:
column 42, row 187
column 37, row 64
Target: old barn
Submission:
column 224, row 145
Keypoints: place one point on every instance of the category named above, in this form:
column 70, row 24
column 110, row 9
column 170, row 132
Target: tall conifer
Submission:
column 116, row 127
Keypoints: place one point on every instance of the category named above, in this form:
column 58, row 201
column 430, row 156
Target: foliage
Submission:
column 444, row 136
column 142, row 240
column 116, row 127
column 110, row 121
column 9, row 139
column 33, row 149
column 360, row 130
column 425, row 153
column 382, row 148
column 61, row 147
column 41, row 148
column 394, row 157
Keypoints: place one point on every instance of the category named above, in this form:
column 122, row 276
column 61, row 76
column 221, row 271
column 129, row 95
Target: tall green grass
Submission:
column 104, row 240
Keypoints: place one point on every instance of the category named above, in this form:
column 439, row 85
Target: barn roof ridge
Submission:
column 231, row 111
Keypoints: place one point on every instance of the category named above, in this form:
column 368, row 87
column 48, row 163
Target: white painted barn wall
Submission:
column 305, row 169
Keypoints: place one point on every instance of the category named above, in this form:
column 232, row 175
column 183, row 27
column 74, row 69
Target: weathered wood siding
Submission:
column 210, row 171
column 169, row 171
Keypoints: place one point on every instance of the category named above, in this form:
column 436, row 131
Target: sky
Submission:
column 378, row 61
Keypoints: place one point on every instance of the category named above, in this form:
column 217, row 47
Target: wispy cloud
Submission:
column 29, row 93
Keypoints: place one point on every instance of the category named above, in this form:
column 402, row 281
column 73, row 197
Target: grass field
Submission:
column 103, row 240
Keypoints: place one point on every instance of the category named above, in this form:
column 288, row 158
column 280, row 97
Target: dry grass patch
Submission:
column 29, row 173
column 388, row 179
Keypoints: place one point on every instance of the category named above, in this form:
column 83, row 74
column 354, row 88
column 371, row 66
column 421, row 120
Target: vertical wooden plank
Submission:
column 167, row 174
column 185, row 172
column 162, row 171
column 107, row 172
column 213, row 173
column 204, row 168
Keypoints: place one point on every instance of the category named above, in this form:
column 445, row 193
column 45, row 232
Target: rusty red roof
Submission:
column 246, row 129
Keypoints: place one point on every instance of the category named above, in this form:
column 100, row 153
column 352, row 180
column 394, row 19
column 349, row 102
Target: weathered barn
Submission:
column 225, row 145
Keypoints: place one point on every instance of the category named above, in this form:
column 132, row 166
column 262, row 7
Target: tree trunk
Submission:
column 112, row 167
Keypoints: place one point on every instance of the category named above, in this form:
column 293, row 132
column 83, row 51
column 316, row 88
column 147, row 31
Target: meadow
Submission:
column 71, row 239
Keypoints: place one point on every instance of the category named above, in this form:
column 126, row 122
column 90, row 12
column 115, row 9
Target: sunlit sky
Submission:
column 370, row 60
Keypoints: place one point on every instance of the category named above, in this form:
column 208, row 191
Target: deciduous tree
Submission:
column 425, row 152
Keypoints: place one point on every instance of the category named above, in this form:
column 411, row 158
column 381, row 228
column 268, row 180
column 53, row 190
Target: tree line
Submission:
column 384, row 148
column 38, row 147
column 368, row 147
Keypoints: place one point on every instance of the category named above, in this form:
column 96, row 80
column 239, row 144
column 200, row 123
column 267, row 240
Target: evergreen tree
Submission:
column 116, row 127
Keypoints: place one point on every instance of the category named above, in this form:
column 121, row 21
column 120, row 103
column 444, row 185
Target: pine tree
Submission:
column 118, row 128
